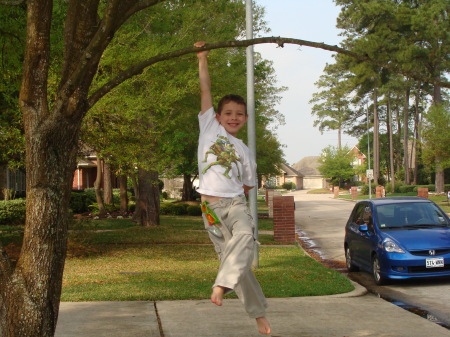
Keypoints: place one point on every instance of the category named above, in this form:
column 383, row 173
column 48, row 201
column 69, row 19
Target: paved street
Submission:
column 321, row 219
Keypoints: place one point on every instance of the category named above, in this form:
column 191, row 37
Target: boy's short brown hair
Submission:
column 231, row 98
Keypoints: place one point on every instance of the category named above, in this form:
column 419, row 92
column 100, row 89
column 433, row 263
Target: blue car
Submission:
column 398, row 238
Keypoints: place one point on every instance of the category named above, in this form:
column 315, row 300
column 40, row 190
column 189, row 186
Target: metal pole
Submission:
column 251, row 128
column 368, row 151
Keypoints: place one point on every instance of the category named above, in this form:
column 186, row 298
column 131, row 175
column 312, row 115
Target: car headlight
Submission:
column 391, row 247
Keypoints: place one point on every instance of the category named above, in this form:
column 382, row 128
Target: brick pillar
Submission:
column 354, row 191
column 284, row 219
column 336, row 191
column 270, row 195
column 267, row 197
column 379, row 193
column 422, row 192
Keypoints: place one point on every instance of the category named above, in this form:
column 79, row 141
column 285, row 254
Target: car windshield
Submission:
column 410, row 216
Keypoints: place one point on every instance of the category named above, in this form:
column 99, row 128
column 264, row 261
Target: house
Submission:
column 86, row 174
column 287, row 175
column 13, row 181
column 308, row 168
column 359, row 160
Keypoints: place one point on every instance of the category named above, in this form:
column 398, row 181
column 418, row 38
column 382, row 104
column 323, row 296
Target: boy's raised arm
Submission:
column 205, row 81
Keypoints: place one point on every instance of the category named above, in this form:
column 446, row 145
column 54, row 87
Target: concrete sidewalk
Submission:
column 354, row 314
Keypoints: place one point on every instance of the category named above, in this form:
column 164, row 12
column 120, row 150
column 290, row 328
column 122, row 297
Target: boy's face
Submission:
column 232, row 117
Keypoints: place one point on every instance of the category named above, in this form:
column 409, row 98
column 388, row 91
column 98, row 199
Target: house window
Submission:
column 16, row 180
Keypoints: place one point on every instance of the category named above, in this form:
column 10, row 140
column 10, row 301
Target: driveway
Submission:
column 320, row 220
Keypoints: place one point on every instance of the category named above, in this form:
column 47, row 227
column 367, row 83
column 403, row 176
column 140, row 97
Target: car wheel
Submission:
column 348, row 260
column 376, row 272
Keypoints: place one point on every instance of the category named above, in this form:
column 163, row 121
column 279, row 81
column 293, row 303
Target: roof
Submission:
column 290, row 171
column 308, row 166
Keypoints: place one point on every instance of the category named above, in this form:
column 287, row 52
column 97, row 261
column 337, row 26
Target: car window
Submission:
column 363, row 215
column 398, row 215
column 358, row 214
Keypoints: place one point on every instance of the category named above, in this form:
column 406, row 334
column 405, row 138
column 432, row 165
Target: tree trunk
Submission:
column 107, row 184
column 417, row 140
column 123, row 194
column 439, row 174
column 187, row 188
column 147, row 213
column 406, row 138
column 97, row 188
column 376, row 139
column 398, row 155
column 134, row 180
column 391, row 146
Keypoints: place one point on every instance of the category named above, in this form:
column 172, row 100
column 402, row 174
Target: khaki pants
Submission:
column 235, row 248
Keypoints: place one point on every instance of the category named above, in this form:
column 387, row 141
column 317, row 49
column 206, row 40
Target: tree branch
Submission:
column 280, row 41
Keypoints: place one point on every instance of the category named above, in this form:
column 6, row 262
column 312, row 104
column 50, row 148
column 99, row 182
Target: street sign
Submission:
column 369, row 174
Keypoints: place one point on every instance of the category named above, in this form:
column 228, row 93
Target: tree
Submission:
column 336, row 164
column 55, row 96
column 332, row 103
column 437, row 139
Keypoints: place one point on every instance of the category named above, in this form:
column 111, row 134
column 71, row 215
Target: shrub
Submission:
column 166, row 208
column 12, row 212
column 194, row 210
column 179, row 209
column 288, row 186
column 78, row 202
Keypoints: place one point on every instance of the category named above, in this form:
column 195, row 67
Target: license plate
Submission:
column 435, row 262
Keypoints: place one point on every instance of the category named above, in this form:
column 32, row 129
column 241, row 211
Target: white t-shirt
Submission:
column 224, row 162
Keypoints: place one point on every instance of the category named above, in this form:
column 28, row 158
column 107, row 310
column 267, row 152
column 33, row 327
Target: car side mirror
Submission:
column 363, row 228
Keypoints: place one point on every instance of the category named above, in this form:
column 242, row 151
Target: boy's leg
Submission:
column 237, row 249
column 250, row 293
column 236, row 256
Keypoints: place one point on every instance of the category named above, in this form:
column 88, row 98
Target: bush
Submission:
column 194, row 210
column 397, row 186
column 407, row 188
column 168, row 208
column 12, row 212
column 288, row 186
column 78, row 202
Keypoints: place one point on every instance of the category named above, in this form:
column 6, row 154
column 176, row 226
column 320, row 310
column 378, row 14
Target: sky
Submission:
column 298, row 68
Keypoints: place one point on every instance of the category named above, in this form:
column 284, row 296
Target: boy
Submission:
column 226, row 172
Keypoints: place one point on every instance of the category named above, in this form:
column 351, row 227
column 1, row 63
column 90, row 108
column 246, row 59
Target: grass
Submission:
column 176, row 261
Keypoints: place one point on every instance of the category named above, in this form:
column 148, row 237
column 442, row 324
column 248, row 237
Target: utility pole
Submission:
column 251, row 124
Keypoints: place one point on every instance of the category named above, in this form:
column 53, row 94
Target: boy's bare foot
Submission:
column 217, row 295
column 263, row 325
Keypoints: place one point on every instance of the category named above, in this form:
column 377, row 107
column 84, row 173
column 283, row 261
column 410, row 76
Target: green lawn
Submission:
column 115, row 260
column 176, row 261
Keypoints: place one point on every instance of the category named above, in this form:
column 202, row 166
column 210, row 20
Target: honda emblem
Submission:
column 432, row 252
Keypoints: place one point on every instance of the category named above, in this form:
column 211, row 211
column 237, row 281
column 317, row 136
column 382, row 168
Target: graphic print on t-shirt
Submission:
column 225, row 156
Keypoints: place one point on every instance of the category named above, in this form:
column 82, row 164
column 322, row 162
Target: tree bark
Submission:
column 107, row 184
column 97, row 188
column 406, row 137
column 376, row 139
column 187, row 194
column 147, row 213
column 416, row 137
column 123, row 194
column 391, row 146
column 439, row 174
